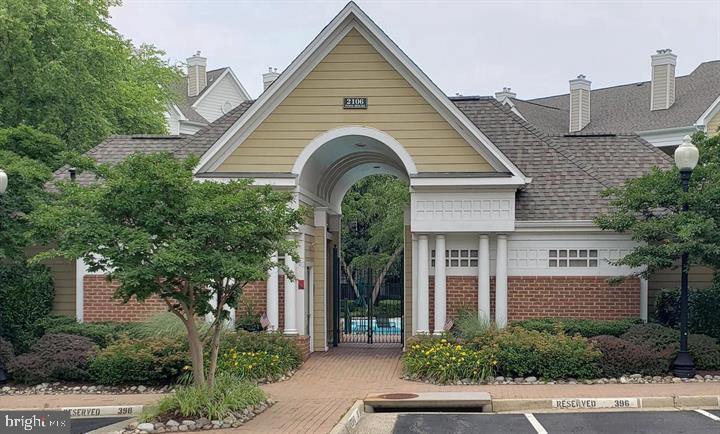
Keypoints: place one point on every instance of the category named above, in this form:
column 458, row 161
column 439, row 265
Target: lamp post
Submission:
column 686, row 158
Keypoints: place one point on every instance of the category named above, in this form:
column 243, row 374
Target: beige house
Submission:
column 501, row 213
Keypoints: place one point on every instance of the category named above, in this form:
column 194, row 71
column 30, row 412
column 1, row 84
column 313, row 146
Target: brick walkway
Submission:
column 317, row 396
column 320, row 393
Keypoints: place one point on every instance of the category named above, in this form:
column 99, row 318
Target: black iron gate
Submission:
column 364, row 317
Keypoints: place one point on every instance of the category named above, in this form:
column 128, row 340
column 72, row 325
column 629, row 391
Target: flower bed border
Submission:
column 235, row 420
column 531, row 380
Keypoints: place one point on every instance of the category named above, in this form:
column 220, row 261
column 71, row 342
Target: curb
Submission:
column 615, row 403
column 114, row 428
column 91, row 412
column 350, row 419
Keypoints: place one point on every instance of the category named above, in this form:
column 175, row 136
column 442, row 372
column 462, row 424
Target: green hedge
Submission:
column 521, row 352
column 582, row 327
column 149, row 360
column 704, row 349
column 26, row 294
column 102, row 333
column 704, row 309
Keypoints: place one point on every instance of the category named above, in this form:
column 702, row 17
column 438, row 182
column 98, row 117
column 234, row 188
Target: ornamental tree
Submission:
column 156, row 232
column 649, row 209
column 373, row 227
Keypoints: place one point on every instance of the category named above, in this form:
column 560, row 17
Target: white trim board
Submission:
column 708, row 114
column 227, row 71
column 352, row 17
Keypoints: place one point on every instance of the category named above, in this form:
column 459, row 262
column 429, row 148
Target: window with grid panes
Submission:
column 457, row 258
column 572, row 258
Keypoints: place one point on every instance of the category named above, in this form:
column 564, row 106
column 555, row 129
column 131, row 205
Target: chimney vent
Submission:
column 505, row 94
column 73, row 173
column 579, row 103
column 269, row 77
column 662, row 89
column 197, row 74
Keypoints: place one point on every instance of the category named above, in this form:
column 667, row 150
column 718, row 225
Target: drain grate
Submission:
column 398, row 396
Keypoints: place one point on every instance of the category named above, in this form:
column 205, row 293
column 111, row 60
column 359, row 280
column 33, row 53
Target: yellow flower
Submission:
column 187, row 368
column 443, row 340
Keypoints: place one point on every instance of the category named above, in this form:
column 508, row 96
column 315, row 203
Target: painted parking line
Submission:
column 708, row 414
column 535, row 423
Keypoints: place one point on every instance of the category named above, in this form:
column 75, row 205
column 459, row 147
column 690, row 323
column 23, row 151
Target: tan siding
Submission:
column 407, row 286
column 699, row 277
column 714, row 125
column 63, row 274
column 319, row 266
column 355, row 68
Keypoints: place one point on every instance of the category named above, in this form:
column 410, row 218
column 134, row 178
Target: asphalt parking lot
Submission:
column 82, row 426
column 635, row 422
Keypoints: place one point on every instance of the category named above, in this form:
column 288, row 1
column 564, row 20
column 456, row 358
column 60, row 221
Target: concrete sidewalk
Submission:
column 320, row 393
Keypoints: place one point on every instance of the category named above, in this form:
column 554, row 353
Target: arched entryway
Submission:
column 327, row 168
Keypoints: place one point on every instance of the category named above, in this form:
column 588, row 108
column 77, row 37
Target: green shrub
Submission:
column 229, row 395
column 7, row 353
column 388, row 309
column 652, row 335
column 621, row 357
column 442, row 361
column 270, row 354
column 147, row 360
column 101, row 333
column 582, row 327
column 54, row 357
column 26, row 294
column 521, row 352
column 246, row 317
column 704, row 349
column 704, row 305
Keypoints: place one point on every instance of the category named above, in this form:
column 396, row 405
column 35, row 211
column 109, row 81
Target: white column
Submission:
column 440, row 282
column 501, row 282
column 290, row 299
column 273, row 296
column 484, row 277
column 423, row 285
column 300, row 293
column 414, row 290
column 643, row 299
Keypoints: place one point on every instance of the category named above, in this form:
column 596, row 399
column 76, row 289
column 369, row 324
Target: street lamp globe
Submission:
column 3, row 181
column 686, row 155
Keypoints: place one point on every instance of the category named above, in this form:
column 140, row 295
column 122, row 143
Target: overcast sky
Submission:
column 467, row 47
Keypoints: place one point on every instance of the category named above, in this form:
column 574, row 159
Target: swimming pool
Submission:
column 360, row 325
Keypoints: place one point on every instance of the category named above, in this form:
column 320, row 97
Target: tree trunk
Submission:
column 386, row 268
column 349, row 275
column 214, row 350
column 196, row 350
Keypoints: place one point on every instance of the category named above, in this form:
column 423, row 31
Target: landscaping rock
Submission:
column 172, row 423
column 184, row 428
column 141, row 388
column 147, row 427
column 500, row 379
column 531, row 380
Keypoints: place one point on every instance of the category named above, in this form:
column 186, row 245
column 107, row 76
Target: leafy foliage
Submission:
column 140, row 361
column 373, row 226
column 441, row 361
column 7, row 353
column 470, row 327
column 521, row 352
column 66, row 71
column 652, row 335
column 583, row 327
column 247, row 317
column 54, row 357
column 621, row 357
column 704, row 305
column 102, row 333
column 230, row 394
column 272, row 344
column 153, row 229
column 649, row 208
column 27, row 293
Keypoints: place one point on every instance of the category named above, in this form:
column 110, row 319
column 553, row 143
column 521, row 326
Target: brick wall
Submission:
column 256, row 293
column 99, row 304
column 547, row 297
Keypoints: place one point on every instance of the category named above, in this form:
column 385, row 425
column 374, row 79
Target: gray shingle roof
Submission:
column 626, row 108
column 568, row 172
column 185, row 102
